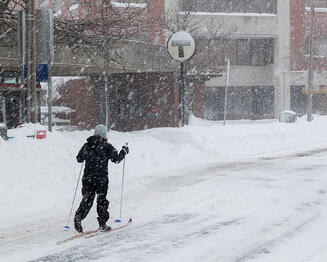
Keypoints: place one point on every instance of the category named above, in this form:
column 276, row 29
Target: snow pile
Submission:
column 37, row 175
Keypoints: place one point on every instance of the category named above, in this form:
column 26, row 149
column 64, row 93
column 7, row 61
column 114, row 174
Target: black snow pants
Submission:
column 92, row 185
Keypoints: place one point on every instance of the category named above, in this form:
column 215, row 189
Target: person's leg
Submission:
column 84, row 208
column 102, row 202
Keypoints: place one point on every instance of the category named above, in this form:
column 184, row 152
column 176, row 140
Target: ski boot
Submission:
column 104, row 228
column 78, row 224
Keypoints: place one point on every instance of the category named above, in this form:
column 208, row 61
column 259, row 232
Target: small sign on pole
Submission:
column 181, row 47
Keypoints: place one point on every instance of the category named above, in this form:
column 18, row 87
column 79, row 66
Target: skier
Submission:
column 96, row 154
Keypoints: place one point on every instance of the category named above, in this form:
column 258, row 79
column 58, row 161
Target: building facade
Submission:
column 266, row 42
column 300, row 20
column 255, row 37
column 267, row 45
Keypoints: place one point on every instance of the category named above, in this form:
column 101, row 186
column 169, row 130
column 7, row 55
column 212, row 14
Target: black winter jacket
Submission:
column 96, row 154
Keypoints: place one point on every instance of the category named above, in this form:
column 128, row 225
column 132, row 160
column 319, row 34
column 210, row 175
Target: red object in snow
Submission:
column 41, row 134
column 154, row 109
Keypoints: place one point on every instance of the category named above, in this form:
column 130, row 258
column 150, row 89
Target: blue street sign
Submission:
column 41, row 73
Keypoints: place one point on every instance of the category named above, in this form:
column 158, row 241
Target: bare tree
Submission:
column 8, row 20
column 210, row 35
column 100, row 29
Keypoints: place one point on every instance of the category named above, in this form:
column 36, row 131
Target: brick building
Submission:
column 300, row 21
column 136, row 100
column 265, row 41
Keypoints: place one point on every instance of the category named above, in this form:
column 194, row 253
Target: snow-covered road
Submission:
column 271, row 209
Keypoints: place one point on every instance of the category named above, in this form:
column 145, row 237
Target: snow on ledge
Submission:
column 227, row 14
column 317, row 9
column 57, row 110
column 118, row 4
column 73, row 7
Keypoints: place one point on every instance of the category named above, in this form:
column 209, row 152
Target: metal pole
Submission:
column 182, row 97
column 71, row 209
column 106, row 98
column 50, row 60
column 28, row 60
column 122, row 190
column 22, row 45
column 33, row 63
column 226, row 90
column 310, row 69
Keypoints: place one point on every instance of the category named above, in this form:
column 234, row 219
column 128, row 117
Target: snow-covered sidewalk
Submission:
column 40, row 174
column 38, row 177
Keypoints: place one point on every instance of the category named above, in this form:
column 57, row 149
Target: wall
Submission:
column 136, row 101
column 82, row 96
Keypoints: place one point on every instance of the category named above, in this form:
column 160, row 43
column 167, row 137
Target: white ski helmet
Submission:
column 101, row 130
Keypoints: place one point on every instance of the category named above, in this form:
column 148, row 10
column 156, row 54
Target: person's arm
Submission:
column 81, row 154
column 116, row 157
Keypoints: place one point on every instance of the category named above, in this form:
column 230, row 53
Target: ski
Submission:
column 93, row 233
column 77, row 236
column 111, row 230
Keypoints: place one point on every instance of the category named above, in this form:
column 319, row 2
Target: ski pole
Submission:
column 71, row 209
column 122, row 190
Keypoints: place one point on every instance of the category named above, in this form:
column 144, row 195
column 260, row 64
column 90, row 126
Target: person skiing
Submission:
column 96, row 153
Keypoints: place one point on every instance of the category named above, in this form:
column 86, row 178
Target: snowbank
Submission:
column 38, row 175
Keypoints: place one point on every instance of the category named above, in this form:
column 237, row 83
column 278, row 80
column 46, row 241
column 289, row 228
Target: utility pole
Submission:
column 310, row 69
column 31, row 62
column 50, row 61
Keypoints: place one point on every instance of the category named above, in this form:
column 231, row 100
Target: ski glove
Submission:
column 125, row 149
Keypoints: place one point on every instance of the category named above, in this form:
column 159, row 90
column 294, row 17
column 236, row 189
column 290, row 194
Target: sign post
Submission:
column 50, row 62
column 226, row 90
column 22, row 52
column 181, row 47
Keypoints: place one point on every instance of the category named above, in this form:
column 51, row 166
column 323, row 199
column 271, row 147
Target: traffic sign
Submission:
column 181, row 46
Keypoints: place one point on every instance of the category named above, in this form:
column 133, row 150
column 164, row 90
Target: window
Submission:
column 57, row 5
column 10, row 80
column 253, row 6
column 130, row 110
column 216, row 49
column 250, row 52
column 316, row 3
column 230, row 6
column 243, row 51
column 73, row 2
column 189, row 6
column 319, row 47
column 252, row 102
column 240, row 52
column 270, row 7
